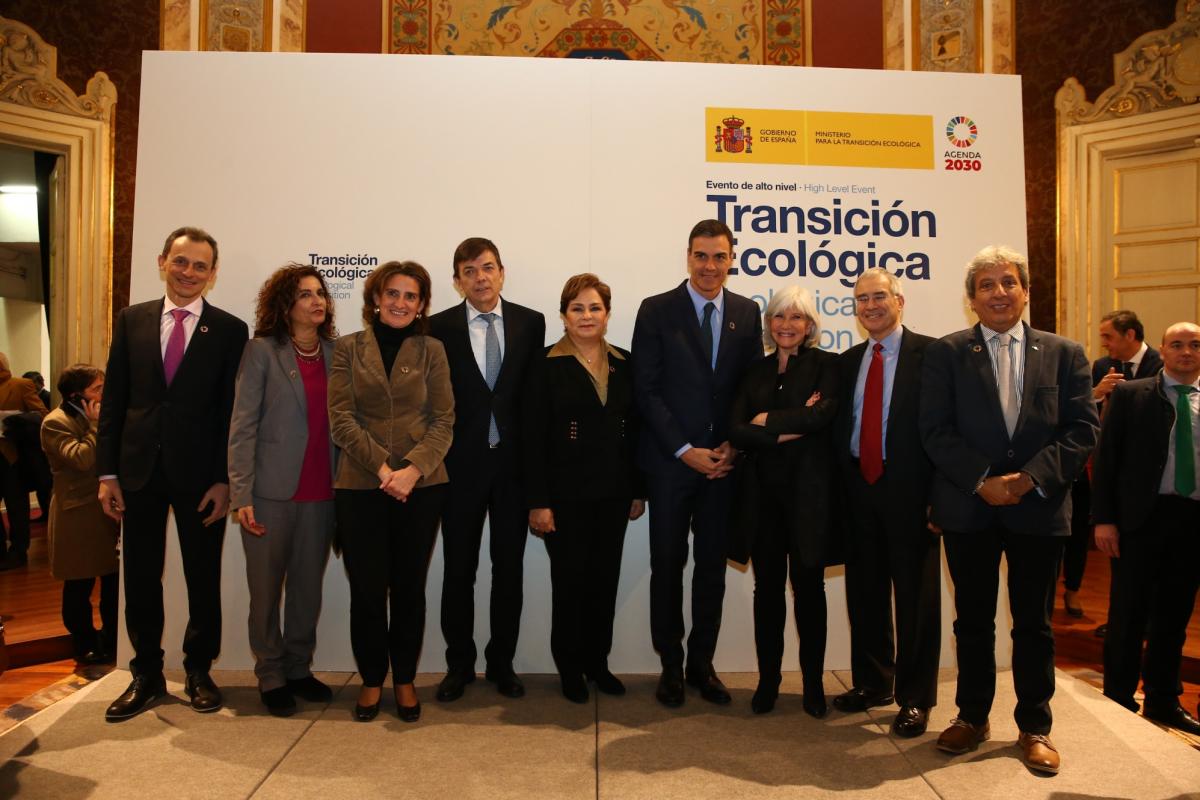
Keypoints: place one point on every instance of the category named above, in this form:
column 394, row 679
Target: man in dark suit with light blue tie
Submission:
column 1146, row 508
column 691, row 346
column 490, row 344
column 161, row 444
column 1007, row 418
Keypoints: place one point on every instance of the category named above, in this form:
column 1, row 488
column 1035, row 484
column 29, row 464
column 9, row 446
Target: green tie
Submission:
column 1185, row 455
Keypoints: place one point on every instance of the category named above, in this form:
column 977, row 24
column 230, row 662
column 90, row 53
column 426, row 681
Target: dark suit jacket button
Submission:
column 1011, row 453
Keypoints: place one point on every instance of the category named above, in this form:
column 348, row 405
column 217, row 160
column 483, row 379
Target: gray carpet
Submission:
column 487, row 746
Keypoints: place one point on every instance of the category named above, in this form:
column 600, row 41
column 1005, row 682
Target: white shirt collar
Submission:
column 473, row 313
column 194, row 308
column 1016, row 331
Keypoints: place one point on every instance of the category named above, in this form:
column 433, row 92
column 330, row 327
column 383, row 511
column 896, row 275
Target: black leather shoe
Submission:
column 814, row 702
column 92, row 657
column 507, row 682
column 14, row 560
column 574, row 688
column 310, row 689
column 606, row 682
column 279, row 701
column 764, row 697
column 452, row 686
column 409, row 713
column 910, row 722
column 710, row 686
column 143, row 690
column 860, row 700
column 670, row 687
column 1100, row 631
column 204, row 694
column 1176, row 717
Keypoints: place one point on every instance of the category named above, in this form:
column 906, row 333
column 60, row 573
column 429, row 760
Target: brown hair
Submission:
column 577, row 284
column 196, row 235
column 73, row 380
column 379, row 278
column 473, row 248
column 272, row 315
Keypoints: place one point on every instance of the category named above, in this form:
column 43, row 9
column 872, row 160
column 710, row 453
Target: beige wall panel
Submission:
column 1160, row 306
column 1149, row 258
column 1156, row 197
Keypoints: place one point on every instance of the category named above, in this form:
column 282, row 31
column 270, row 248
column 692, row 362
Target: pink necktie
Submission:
column 175, row 345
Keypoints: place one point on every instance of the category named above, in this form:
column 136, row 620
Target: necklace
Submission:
column 307, row 355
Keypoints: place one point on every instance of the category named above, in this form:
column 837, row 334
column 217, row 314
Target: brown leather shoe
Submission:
column 1038, row 753
column 963, row 737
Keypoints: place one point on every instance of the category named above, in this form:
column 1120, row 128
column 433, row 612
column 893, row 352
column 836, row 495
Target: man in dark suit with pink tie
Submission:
column 161, row 444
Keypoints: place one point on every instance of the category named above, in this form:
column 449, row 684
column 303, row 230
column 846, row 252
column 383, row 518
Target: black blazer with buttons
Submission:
column 575, row 448
column 1132, row 453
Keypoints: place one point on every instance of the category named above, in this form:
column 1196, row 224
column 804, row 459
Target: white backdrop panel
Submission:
column 569, row 166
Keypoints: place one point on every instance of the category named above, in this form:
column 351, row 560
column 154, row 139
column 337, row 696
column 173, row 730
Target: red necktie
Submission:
column 870, row 439
column 176, row 343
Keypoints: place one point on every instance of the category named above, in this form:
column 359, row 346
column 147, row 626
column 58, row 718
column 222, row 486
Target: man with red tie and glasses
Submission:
column 890, row 547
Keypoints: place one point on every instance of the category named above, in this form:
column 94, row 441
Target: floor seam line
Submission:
column 286, row 753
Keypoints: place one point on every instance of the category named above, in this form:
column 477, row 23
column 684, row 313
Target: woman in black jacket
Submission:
column 781, row 420
column 581, row 483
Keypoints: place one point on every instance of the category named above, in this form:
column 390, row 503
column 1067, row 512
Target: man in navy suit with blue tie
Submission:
column 691, row 347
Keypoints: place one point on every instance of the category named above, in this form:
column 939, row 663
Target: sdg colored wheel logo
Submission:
column 962, row 131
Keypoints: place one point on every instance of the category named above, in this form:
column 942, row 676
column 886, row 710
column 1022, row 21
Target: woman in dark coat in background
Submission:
column 781, row 420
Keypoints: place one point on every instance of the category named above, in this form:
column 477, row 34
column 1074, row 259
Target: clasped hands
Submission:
column 1005, row 490
column 398, row 483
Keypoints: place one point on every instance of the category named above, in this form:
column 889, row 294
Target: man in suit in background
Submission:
column 1146, row 508
column 1122, row 335
column 890, row 546
column 1008, row 419
column 490, row 344
column 19, row 396
column 161, row 443
column 691, row 346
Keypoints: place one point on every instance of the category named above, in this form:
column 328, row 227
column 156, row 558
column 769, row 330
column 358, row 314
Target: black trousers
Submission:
column 143, row 550
column 774, row 560
column 683, row 500
column 585, row 568
column 387, row 545
column 16, row 506
column 974, row 560
column 1076, row 551
column 493, row 492
column 1153, row 594
column 889, row 552
column 77, row 613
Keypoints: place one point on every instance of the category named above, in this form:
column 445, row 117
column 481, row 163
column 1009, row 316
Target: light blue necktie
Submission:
column 491, row 368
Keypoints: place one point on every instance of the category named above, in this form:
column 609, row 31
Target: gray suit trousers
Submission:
column 292, row 555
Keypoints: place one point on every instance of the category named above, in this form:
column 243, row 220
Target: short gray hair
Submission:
column 996, row 256
column 788, row 299
column 892, row 281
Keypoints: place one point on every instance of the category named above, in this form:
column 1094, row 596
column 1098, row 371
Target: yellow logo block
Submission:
column 818, row 138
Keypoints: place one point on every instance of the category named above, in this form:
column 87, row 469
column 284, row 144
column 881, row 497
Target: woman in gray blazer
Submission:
column 281, row 463
column 392, row 413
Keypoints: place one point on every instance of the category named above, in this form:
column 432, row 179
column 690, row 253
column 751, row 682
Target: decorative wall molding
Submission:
column 242, row 26
column 1003, row 37
column 39, row 111
column 947, row 35
column 29, row 77
column 1160, row 70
